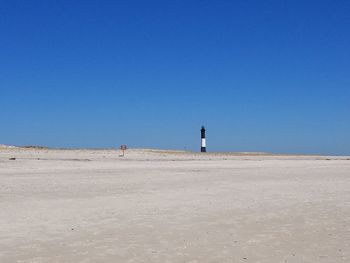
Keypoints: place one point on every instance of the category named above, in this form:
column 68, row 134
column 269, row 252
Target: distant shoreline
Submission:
column 157, row 150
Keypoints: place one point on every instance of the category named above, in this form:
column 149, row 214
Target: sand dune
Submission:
column 172, row 206
column 3, row 146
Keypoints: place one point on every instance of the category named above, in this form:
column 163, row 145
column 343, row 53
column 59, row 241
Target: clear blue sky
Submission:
column 267, row 75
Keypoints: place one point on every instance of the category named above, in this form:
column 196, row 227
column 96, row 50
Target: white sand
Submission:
column 93, row 206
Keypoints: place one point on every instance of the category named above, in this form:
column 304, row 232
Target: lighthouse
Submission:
column 203, row 145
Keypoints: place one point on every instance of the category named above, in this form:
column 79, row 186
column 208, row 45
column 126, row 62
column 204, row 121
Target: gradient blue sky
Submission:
column 267, row 75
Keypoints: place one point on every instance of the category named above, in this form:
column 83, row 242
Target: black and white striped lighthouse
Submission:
column 203, row 145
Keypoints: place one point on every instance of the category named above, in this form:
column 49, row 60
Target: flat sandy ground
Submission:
column 158, row 206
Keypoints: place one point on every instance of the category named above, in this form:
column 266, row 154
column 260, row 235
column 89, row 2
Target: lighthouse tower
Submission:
column 203, row 144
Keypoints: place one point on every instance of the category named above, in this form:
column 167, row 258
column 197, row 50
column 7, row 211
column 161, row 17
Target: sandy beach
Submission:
column 169, row 206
